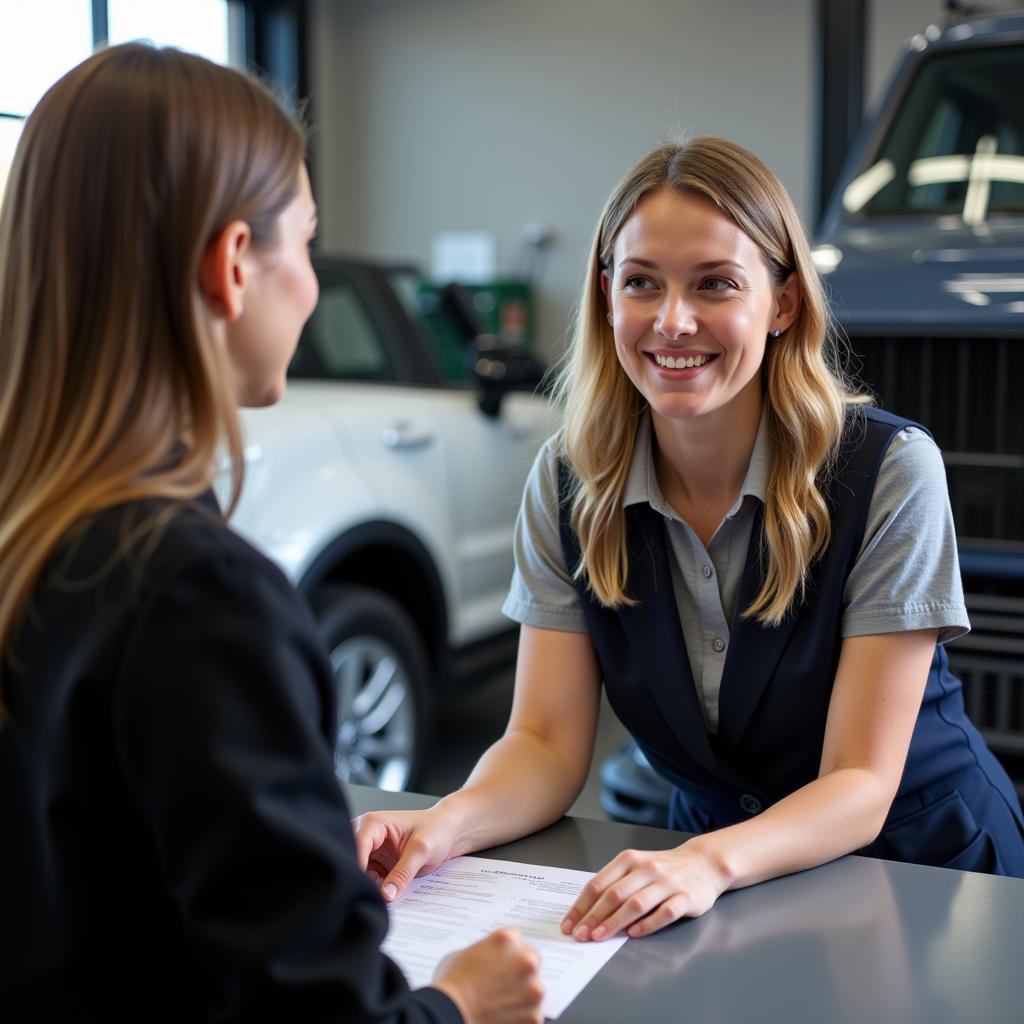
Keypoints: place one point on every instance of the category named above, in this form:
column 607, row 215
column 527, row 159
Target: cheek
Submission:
column 312, row 290
column 630, row 362
column 623, row 351
column 745, row 331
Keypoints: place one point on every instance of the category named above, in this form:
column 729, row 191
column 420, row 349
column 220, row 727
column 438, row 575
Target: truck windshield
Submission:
column 956, row 143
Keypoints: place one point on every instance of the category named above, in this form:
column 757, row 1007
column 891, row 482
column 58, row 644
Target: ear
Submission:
column 223, row 273
column 605, row 285
column 788, row 297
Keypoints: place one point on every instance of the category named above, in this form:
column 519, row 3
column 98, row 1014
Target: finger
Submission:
column 387, row 854
column 413, row 857
column 591, row 893
column 510, row 935
column 532, row 997
column 369, row 836
column 668, row 912
column 380, row 865
column 612, row 920
column 533, row 960
column 622, row 899
column 609, row 902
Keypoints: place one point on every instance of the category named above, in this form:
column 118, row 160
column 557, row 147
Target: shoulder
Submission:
column 896, row 440
column 132, row 551
column 869, row 425
column 912, row 468
column 196, row 552
column 869, row 434
column 208, row 606
column 548, row 477
column 138, row 588
column 197, row 533
column 193, row 531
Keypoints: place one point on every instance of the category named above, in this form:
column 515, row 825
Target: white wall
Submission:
column 442, row 115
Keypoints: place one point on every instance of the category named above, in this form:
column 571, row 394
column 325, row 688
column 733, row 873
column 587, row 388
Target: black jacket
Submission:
column 173, row 842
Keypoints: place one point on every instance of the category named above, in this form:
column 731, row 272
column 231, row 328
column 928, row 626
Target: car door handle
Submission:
column 405, row 435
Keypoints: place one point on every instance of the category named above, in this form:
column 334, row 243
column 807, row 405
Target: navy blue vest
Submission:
column 777, row 681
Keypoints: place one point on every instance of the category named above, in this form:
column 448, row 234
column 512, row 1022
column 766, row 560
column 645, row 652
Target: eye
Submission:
column 638, row 281
column 716, row 284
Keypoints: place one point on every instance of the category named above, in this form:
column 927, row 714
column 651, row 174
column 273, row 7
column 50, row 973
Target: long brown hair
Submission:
column 805, row 394
column 112, row 387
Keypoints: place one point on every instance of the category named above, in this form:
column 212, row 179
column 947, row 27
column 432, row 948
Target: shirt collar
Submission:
column 642, row 480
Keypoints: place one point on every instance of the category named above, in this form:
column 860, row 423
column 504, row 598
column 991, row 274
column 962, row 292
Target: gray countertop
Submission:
column 855, row 940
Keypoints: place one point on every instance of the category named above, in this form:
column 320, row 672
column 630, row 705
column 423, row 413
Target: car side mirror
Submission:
column 498, row 369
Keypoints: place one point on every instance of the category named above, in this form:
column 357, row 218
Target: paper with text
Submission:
column 469, row 897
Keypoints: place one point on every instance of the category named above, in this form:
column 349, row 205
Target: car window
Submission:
column 956, row 145
column 341, row 342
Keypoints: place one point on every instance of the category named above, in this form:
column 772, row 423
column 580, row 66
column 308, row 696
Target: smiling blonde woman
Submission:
column 759, row 567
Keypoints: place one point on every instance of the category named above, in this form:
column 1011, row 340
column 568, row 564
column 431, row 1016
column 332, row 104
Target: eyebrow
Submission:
column 708, row 265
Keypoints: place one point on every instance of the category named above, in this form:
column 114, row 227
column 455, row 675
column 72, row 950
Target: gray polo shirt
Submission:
column 906, row 576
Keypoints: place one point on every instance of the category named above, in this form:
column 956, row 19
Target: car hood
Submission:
column 930, row 279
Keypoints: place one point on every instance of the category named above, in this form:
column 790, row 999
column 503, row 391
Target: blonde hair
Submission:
column 804, row 394
column 113, row 389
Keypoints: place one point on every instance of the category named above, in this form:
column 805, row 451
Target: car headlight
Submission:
column 826, row 258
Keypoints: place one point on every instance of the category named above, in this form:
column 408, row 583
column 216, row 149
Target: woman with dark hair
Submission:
column 175, row 844
column 760, row 568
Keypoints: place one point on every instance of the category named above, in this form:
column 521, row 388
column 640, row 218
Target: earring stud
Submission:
column 776, row 332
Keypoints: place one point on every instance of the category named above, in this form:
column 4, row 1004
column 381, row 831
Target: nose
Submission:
column 676, row 317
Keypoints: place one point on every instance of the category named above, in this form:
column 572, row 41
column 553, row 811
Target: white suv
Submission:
column 388, row 495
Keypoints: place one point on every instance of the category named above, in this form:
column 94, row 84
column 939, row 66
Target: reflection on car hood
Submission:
column 916, row 277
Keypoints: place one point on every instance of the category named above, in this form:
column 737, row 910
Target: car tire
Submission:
column 382, row 686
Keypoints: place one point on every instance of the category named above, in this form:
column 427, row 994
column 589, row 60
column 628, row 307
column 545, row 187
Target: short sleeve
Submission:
column 222, row 709
column 907, row 573
column 542, row 591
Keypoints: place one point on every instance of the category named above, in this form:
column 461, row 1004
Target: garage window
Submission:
column 41, row 40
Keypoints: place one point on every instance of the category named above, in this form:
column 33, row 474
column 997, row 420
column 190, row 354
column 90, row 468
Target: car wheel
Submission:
column 381, row 683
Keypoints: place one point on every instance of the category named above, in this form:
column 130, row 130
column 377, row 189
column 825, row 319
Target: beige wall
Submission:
column 890, row 24
column 489, row 115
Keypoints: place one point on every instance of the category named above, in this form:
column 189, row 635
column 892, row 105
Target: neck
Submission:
column 703, row 461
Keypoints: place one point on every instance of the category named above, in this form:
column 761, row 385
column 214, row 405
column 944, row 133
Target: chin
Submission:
column 677, row 410
column 261, row 399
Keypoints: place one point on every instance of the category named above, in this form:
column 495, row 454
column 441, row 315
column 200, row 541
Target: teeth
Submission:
column 681, row 363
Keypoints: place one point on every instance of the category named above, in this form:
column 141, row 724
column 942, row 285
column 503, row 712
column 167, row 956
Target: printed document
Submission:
column 469, row 897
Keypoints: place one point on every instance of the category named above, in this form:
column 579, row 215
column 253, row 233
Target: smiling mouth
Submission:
column 681, row 362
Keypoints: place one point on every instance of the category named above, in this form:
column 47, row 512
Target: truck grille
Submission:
column 990, row 663
column 969, row 392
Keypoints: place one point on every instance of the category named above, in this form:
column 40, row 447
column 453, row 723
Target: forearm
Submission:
column 521, row 784
column 835, row 814
column 874, row 705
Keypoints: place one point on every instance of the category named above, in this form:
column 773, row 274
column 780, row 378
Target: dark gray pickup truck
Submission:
column 922, row 248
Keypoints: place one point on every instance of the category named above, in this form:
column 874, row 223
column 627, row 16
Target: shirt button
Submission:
column 718, row 644
column 750, row 804
column 707, row 572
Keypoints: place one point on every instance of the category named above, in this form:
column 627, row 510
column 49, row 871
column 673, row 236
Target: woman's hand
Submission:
column 393, row 847
column 642, row 891
column 495, row 981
